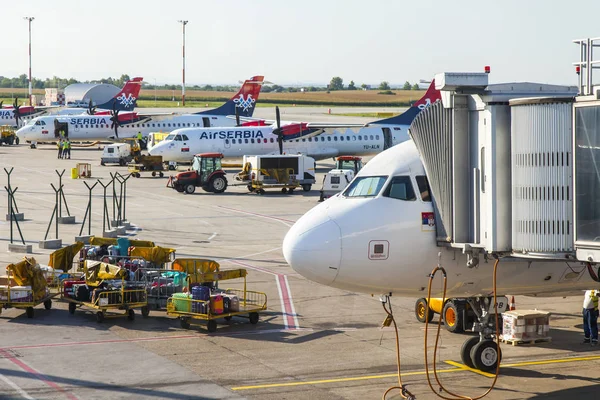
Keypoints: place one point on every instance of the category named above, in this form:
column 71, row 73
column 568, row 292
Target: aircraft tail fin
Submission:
column 126, row 99
column 245, row 99
column 406, row 118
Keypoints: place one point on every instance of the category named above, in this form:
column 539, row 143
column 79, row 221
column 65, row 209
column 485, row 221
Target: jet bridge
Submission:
column 499, row 161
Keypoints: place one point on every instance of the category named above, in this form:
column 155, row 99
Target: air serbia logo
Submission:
column 126, row 99
column 244, row 104
column 424, row 105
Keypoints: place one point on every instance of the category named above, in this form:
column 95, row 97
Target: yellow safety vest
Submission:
column 595, row 299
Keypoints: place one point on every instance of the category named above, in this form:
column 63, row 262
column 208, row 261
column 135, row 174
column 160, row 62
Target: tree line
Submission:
column 337, row 83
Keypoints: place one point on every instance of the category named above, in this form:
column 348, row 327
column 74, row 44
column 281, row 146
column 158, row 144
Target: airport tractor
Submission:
column 7, row 135
column 206, row 172
column 336, row 180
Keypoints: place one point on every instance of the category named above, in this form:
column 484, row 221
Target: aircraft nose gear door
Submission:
column 387, row 138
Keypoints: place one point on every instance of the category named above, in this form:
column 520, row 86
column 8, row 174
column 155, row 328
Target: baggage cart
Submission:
column 152, row 164
column 25, row 295
column 98, row 297
column 248, row 303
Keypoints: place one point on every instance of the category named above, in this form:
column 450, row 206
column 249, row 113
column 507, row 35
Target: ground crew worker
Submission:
column 141, row 141
column 68, row 148
column 59, row 145
column 590, row 317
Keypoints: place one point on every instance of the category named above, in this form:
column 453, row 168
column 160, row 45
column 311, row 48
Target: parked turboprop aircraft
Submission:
column 317, row 140
column 114, row 124
column 378, row 236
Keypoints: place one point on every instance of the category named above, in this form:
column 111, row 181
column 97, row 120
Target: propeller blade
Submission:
column 1, row 102
column 237, row 116
column 277, row 117
column 280, row 142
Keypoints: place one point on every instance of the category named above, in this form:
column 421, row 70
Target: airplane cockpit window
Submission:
column 185, row 137
column 178, row 138
column 37, row 123
column 365, row 186
column 170, row 137
column 423, row 184
column 400, row 188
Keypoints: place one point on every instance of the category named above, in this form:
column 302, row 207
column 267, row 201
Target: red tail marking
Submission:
column 131, row 87
column 430, row 96
column 251, row 87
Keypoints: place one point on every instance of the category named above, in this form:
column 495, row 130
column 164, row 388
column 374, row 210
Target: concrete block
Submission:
column 50, row 244
column 116, row 222
column 121, row 230
column 19, row 248
column 126, row 224
column 18, row 217
column 110, row 234
column 66, row 220
column 85, row 239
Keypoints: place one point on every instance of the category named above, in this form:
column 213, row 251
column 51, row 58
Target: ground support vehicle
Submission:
column 285, row 172
column 336, row 180
column 8, row 135
column 104, row 289
column 248, row 303
column 206, row 172
column 457, row 313
column 116, row 153
column 152, row 164
column 25, row 287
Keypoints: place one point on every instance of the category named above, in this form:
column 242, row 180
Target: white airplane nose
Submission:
column 314, row 253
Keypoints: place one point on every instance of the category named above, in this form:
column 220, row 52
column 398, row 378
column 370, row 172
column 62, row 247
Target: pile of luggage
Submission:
column 207, row 298
column 81, row 291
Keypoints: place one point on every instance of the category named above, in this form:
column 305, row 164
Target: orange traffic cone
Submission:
column 512, row 306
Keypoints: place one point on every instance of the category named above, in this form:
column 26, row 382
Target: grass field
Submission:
column 198, row 98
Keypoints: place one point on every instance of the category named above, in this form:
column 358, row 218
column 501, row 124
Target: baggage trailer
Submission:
column 152, row 164
column 103, row 297
column 216, row 303
column 25, row 297
column 286, row 172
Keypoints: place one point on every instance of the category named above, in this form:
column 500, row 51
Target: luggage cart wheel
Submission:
column 253, row 317
column 211, row 325
column 72, row 307
column 130, row 315
column 48, row 304
column 99, row 316
column 228, row 318
column 145, row 311
column 161, row 174
column 184, row 323
column 29, row 312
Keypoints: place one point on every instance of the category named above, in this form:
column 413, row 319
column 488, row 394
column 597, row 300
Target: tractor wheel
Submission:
column 453, row 314
column 153, row 174
column 10, row 140
column 306, row 187
column 250, row 188
column 283, row 190
column 422, row 311
column 190, row 189
column 218, row 184
column 179, row 188
column 17, row 140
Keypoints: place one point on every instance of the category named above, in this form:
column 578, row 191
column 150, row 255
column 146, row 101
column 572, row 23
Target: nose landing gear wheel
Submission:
column 465, row 351
column 486, row 356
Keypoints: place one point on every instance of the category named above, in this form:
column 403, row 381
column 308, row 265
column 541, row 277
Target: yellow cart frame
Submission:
column 117, row 300
column 251, row 302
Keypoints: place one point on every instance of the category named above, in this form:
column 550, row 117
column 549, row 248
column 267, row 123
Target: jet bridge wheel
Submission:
column 453, row 314
column 422, row 311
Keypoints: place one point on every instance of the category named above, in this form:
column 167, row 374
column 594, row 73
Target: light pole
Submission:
column 29, row 19
column 183, row 23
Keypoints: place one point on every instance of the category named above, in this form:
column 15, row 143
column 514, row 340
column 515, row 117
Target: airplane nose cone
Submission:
column 314, row 252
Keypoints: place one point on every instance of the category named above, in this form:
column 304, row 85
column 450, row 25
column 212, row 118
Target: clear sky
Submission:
column 297, row 42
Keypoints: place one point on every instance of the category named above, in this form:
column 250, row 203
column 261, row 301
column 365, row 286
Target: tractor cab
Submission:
column 353, row 163
column 206, row 172
column 336, row 180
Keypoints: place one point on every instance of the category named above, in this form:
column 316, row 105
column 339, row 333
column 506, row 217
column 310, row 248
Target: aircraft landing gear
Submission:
column 482, row 352
column 33, row 145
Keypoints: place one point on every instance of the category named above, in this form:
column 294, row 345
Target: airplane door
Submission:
column 387, row 138
column 206, row 122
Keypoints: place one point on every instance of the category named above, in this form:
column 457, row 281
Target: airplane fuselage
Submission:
column 236, row 142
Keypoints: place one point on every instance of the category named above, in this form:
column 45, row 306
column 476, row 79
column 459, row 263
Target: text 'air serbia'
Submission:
column 316, row 140
column 114, row 124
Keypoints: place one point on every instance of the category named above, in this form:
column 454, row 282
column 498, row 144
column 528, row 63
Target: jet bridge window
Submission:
column 365, row 186
column 400, row 188
column 423, row 184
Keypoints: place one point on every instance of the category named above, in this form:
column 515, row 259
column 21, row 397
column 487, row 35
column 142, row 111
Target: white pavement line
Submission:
column 212, row 236
column 293, row 309
column 223, row 260
column 283, row 311
column 255, row 215
column 13, row 385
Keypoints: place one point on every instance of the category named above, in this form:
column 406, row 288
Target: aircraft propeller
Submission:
column 278, row 131
column 16, row 111
column 91, row 110
column 115, row 119
column 237, row 117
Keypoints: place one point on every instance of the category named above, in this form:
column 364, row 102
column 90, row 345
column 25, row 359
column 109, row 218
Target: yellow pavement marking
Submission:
column 460, row 368
column 467, row 368
column 335, row 380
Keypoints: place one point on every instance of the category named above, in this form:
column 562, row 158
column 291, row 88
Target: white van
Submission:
column 118, row 153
